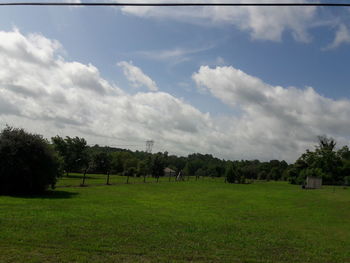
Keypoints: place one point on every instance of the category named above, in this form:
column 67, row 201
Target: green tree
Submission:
column 231, row 174
column 28, row 163
column 157, row 165
column 143, row 169
column 130, row 171
column 73, row 151
column 324, row 162
column 102, row 163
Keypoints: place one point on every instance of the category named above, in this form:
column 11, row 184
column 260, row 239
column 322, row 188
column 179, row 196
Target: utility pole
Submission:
column 149, row 145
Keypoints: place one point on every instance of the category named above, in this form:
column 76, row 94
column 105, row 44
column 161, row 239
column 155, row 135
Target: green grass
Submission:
column 76, row 179
column 203, row 221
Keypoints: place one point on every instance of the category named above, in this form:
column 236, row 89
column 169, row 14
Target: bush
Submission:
column 231, row 173
column 28, row 163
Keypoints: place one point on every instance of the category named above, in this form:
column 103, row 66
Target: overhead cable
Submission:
column 170, row 4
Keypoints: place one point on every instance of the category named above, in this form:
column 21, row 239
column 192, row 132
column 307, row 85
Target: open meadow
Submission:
column 195, row 221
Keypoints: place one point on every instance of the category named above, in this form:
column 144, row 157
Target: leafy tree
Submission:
column 130, row 171
column 157, row 165
column 275, row 174
column 116, row 163
column 190, row 168
column 324, row 162
column 231, row 173
column 102, row 162
column 73, row 152
column 200, row 173
column 28, row 164
column 143, row 169
column 326, row 143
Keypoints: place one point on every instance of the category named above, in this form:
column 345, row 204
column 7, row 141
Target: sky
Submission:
column 235, row 82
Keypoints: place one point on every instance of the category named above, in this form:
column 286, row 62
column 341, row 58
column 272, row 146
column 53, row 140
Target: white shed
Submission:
column 313, row 182
column 169, row 172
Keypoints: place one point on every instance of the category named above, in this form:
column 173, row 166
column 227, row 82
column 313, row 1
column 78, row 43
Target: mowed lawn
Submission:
column 196, row 221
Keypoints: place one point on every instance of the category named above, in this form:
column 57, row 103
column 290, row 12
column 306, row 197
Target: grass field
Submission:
column 203, row 221
column 75, row 179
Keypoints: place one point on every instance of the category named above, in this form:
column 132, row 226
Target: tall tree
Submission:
column 73, row 152
column 157, row 165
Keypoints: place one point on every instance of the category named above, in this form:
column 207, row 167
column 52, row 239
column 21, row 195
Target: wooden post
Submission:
column 144, row 178
column 127, row 179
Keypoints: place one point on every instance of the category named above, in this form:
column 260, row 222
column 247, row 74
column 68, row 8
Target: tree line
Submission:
column 79, row 157
column 30, row 163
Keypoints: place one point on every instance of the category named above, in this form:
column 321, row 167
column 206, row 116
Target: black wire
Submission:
column 169, row 4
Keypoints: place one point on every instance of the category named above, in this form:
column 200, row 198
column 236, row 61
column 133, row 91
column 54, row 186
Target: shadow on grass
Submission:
column 88, row 176
column 51, row 194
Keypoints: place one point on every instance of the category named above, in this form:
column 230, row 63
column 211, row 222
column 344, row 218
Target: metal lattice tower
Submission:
column 149, row 145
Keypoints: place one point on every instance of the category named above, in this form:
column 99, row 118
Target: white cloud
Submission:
column 47, row 94
column 342, row 36
column 136, row 76
column 264, row 23
column 174, row 55
column 281, row 120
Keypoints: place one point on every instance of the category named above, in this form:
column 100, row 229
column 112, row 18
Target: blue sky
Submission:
column 192, row 56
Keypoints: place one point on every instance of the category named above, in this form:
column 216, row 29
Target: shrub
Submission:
column 28, row 163
column 231, row 173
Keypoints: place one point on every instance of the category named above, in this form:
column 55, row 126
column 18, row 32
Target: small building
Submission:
column 169, row 172
column 313, row 182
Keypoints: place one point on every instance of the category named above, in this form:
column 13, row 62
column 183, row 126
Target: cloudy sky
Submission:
column 239, row 83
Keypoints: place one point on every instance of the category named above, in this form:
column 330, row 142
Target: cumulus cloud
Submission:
column 342, row 36
column 264, row 23
column 136, row 76
column 45, row 93
column 286, row 119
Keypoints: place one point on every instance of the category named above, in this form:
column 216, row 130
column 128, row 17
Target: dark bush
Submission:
column 28, row 163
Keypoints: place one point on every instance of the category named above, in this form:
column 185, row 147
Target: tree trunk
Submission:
column 144, row 179
column 127, row 179
column 84, row 176
column 107, row 179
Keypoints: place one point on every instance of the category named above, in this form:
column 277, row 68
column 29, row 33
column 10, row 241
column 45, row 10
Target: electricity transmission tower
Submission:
column 149, row 145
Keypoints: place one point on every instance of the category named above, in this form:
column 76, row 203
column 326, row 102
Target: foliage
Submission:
column 73, row 151
column 143, row 168
column 28, row 164
column 157, row 165
column 102, row 162
column 231, row 173
column 193, row 165
column 325, row 162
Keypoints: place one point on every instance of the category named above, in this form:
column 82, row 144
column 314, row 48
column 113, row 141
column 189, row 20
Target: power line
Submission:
column 170, row 4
